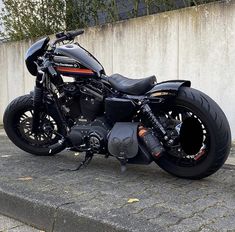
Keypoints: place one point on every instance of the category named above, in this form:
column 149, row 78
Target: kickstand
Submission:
column 123, row 164
column 84, row 163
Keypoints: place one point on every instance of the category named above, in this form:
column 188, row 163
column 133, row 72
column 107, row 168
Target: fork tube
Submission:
column 37, row 103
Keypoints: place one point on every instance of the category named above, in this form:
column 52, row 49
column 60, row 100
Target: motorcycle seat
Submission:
column 131, row 86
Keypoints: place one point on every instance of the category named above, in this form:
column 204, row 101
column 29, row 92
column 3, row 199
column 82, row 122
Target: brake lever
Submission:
column 61, row 39
column 43, row 77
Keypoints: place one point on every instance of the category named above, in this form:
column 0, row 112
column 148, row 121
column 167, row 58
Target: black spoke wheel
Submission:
column 204, row 137
column 192, row 136
column 18, row 119
column 47, row 132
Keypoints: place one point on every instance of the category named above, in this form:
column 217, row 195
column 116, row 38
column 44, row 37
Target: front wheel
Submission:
column 204, row 139
column 17, row 122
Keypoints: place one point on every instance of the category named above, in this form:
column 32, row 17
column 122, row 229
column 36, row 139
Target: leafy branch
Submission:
column 22, row 19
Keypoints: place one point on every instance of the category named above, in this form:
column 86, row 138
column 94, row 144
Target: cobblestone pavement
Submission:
column 100, row 191
column 10, row 225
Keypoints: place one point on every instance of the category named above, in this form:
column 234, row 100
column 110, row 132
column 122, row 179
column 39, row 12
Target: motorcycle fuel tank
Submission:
column 71, row 67
column 88, row 62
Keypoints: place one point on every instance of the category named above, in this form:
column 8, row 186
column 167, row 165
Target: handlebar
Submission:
column 70, row 35
column 73, row 34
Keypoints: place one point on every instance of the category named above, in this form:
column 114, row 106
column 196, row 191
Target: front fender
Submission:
column 168, row 87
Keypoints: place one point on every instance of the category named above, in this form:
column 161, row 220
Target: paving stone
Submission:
column 226, row 223
column 23, row 228
column 11, row 225
column 7, row 223
column 100, row 192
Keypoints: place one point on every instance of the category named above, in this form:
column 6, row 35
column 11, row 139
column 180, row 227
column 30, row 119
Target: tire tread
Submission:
column 16, row 105
column 220, row 123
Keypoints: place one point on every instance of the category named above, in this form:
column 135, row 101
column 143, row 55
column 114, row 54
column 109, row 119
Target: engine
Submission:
column 127, row 141
column 92, row 136
column 86, row 99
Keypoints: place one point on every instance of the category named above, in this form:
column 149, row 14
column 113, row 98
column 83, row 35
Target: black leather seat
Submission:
column 131, row 86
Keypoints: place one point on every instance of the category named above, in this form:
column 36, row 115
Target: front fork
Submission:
column 37, row 103
column 40, row 104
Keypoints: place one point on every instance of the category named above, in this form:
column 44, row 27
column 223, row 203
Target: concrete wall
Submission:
column 195, row 43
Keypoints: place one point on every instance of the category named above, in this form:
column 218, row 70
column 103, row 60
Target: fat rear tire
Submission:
column 9, row 120
column 219, row 132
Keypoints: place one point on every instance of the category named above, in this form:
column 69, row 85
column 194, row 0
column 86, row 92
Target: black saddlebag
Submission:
column 123, row 141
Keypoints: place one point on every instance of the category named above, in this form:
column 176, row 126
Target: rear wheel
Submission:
column 204, row 136
column 17, row 122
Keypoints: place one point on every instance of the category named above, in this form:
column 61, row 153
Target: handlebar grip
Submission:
column 73, row 34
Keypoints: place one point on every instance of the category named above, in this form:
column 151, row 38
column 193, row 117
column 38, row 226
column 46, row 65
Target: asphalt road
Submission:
column 100, row 193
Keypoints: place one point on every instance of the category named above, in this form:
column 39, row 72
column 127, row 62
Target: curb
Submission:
column 230, row 160
column 49, row 217
column 32, row 213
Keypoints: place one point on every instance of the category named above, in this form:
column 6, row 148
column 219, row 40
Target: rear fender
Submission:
column 168, row 88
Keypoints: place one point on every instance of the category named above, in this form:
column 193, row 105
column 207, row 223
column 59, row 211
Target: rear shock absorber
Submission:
column 145, row 108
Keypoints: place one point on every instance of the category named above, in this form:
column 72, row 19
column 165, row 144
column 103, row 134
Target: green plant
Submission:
column 32, row 18
column 22, row 19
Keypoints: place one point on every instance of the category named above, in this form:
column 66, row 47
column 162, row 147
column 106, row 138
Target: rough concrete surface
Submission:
column 34, row 190
column 11, row 225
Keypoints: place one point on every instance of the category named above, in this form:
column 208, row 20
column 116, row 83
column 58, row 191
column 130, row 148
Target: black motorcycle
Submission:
column 136, row 121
